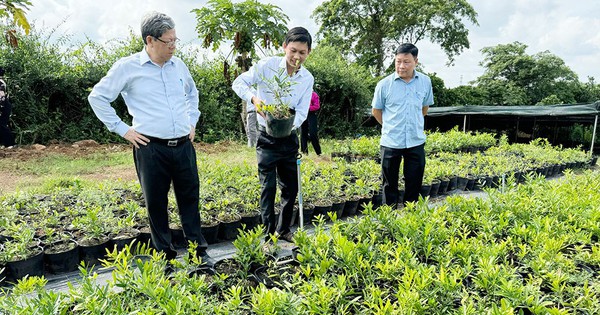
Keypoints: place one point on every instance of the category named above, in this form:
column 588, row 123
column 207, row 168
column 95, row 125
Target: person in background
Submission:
column 251, row 125
column 277, row 156
column 400, row 103
column 162, row 98
column 6, row 135
column 310, row 127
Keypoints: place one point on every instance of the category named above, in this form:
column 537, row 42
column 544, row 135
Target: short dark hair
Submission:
column 298, row 34
column 407, row 48
column 155, row 24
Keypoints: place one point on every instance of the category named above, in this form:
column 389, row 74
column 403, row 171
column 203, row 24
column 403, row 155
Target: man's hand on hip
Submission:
column 192, row 133
column 136, row 138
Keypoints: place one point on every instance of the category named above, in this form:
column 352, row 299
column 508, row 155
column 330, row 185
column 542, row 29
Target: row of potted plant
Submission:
column 93, row 218
column 450, row 141
column 532, row 249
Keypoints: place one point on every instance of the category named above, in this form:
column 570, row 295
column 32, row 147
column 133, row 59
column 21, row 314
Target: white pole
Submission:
column 465, row 124
column 300, row 209
column 594, row 136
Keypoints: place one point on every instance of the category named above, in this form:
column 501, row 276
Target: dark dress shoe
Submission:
column 206, row 259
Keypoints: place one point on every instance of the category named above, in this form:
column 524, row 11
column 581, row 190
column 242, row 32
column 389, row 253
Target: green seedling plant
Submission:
column 280, row 87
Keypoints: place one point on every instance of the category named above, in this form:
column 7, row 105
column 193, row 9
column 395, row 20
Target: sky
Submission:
column 567, row 29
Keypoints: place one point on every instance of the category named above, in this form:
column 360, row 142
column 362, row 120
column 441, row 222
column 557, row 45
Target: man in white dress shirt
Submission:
column 277, row 156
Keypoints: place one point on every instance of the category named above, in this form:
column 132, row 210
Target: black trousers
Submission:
column 310, row 131
column 277, row 161
column 157, row 166
column 6, row 136
column 414, row 167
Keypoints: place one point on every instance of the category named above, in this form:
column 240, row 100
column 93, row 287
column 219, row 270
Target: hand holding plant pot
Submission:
column 278, row 115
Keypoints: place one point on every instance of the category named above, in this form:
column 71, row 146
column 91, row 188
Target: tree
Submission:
column 368, row 29
column 512, row 77
column 246, row 23
column 15, row 9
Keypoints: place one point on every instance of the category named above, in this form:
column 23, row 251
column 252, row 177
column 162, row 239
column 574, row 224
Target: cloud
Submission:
column 566, row 29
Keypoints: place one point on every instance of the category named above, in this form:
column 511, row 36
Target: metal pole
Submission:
column 300, row 208
column 594, row 136
column 465, row 124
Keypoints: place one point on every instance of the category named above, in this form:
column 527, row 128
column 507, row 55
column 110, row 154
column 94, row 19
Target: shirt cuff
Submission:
column 122, row 129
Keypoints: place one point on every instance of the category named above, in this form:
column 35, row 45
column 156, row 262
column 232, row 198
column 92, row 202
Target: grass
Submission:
column 32, row 169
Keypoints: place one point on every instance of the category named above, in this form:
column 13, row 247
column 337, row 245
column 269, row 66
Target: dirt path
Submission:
column 13, row 179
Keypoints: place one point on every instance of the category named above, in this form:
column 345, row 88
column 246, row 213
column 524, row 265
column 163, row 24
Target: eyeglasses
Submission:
column 170, row 43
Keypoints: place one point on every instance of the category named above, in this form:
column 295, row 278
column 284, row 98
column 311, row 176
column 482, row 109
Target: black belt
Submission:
column 169, row 142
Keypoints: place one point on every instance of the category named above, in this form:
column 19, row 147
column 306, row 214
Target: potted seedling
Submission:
column 279, row 115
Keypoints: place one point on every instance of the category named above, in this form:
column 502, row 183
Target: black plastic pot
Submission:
column 251, row 221
column 350, row 207
column 307, row 214
column 452, row 183
column 443, row 186
column 461, row 183
column 126, row 239
column 177, row 237
column 279, row 128
column 229, row 230
column 91, row 252
column 435, row 187
column 338, row 208
column 322, row 210
column 211, row 233
column 377, row 200
column 32, row 266
column 61, row 261
column 362, row 202
column 425, row 190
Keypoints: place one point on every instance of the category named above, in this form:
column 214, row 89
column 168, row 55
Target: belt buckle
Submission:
column 172, row 143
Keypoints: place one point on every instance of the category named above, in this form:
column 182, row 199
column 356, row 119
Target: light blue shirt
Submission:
column 163, row 101
column 402, row 109
column 250, row 83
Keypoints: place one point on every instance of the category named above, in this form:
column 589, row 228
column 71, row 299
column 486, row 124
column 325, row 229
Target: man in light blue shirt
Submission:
column 277, row 155
column 162, row 99
column 400, row 104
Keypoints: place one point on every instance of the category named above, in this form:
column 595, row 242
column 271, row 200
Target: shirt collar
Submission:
column 144, row 57
column 415, row 76
column 283, row 65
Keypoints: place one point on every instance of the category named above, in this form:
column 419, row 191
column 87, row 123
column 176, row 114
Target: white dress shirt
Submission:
column 163, row 101
column 250, row 84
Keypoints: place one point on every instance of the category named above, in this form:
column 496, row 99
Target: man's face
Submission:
column 405, row 65
column 163, row 47
column 295, row 52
